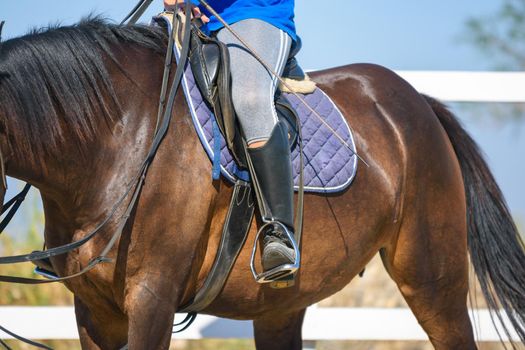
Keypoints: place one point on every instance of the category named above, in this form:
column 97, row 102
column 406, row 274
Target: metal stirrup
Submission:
column 278, row 271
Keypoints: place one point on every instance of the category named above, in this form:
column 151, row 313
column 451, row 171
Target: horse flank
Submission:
column 54, row 82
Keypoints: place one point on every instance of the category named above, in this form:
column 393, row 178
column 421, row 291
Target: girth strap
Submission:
column 235, row 232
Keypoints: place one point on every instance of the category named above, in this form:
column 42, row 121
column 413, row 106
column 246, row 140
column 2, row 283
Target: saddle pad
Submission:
column 329, row 166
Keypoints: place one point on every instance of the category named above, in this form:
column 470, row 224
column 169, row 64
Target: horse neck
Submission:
column 80, row 180
column 80, row 147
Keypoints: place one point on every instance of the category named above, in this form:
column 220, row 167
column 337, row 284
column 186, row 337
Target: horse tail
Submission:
column 494, row 243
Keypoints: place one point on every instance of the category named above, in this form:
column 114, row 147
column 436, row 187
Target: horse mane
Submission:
column 54, row 80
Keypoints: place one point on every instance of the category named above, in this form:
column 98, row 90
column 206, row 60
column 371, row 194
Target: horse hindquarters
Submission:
column 494, row 241
column 427, row 257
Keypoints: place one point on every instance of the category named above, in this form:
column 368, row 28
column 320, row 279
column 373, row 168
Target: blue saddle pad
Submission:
column 329, row 166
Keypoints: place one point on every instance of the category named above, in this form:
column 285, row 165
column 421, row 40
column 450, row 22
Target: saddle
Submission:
column 210, row 62
column 209, row 67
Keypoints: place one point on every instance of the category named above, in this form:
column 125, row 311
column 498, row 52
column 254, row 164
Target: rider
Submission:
column 268, row 27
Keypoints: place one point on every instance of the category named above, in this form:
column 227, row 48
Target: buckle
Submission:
column 45, row 273
column 278, row 271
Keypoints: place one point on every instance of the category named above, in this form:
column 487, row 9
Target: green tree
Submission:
column 501, row 35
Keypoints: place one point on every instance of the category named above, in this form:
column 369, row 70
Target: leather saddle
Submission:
column 210, row 62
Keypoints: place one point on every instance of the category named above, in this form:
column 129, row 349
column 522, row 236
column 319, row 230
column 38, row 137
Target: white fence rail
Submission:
column 319, row 324
column 469, row 86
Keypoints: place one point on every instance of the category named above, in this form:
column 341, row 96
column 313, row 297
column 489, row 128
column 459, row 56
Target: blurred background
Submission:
column 403, row 35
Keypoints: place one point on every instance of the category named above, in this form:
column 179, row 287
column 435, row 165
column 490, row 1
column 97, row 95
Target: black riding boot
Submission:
column 273, row 169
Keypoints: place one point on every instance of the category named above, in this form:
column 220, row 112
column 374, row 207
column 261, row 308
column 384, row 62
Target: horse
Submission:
column 78, row 109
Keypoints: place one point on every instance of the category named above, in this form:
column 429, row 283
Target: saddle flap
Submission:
column 205, row 58
column 211, row 54
column 287, row 114
column 210, row 64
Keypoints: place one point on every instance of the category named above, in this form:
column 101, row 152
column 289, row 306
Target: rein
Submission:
column 136, row 185
column 2, row 165
column 14, row 203
column 137, row 11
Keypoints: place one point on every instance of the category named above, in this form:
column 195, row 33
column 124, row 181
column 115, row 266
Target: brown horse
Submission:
column 77, row 115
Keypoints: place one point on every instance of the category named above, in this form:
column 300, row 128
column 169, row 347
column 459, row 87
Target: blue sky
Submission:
column 405, row 35
column 408, row 34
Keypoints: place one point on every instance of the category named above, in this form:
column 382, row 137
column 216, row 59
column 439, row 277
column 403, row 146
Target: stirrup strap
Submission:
column 298, row 221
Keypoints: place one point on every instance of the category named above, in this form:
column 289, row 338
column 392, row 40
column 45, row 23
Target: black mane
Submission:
column 54, row 79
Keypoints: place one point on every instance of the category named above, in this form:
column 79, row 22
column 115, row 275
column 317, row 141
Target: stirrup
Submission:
column 278, row 271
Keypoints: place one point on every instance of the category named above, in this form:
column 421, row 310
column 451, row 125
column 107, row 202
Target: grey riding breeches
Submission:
column 253, row 86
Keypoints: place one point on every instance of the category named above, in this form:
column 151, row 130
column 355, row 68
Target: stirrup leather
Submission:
column 278, row 271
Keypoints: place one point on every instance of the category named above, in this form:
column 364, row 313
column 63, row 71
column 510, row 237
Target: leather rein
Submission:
column 134, row 188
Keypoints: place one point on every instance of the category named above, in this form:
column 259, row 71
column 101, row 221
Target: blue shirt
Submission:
column 279, row 13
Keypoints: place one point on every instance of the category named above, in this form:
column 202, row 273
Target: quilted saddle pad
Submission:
column 329, row 166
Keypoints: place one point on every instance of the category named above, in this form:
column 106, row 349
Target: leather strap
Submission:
column 188, row 320
column 235, row 232
column 2, row 165
column 1, row 27
column 298, row 222
column 14, row 203
column 136, row 12
column 25, row 340
column 166, row 73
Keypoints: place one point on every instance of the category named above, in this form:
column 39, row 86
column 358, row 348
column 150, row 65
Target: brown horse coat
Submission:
column 409, row 205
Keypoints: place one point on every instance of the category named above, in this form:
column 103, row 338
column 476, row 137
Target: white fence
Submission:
column 469, row 86
column 381, row 324
column 320, row 323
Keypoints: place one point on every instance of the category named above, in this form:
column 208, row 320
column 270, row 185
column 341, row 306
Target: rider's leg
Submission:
column 253, row 93
column 273, row 169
